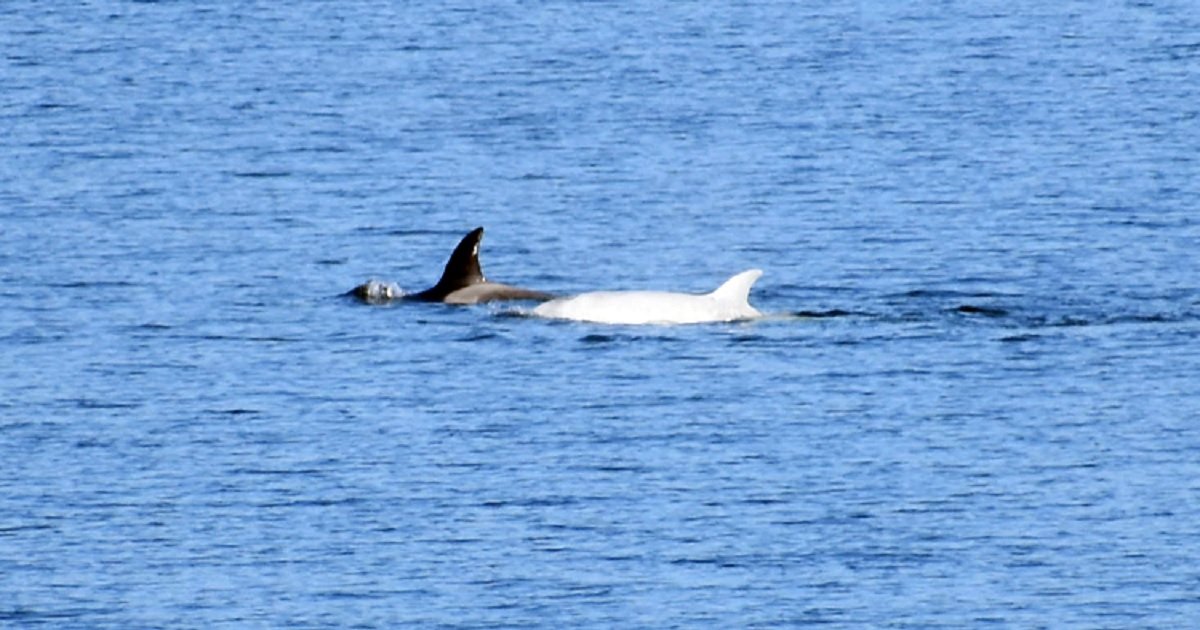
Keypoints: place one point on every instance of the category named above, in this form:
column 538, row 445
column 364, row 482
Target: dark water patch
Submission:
column 306, row 503
column 365, row 595
column 696, row 561
column 323, row 149
column 93, row 443
column 596, row 338
column 583, row 592
column 277, row 472
column 1152, row 318
column 33, row 337
column 480, row 336
column 533, row 502
column 138, row 192
column 37, row 617
column 91, row 403
column 828, row 314
column 494, row 429
column 236, row 411
column 53, row 106
column 539, row 177
column 986, row 311
column 460, row 466
column 91, row 284
column 125, row 369
column 240, row 338
column 763, row 501
column 1183, row 52
column 23, row 61
column 747, row 338
column 14, row 529
column 260, row 174
column 151, row 326
column 1074, row 320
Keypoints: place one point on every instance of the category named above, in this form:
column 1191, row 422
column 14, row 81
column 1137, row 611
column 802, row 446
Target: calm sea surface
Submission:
column 976, row 401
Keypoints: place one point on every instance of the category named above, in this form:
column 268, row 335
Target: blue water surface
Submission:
column 974, row 400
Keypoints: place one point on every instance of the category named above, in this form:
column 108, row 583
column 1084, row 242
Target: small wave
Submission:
column 26, row 615
column 89, row 403
column 272, row 472
column 514, row 313
column 1124, row 318
column 250, row 338
column 236, row 411
column 91, row 284
column 11, row 529
column 1019, row 338
column 661, row 334
column 482, row 336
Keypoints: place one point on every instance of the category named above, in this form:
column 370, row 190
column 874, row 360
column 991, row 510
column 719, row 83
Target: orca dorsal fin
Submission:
column 736, row 290
column 462, row 270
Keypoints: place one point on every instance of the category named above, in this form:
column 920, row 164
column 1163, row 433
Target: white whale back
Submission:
column 728, row 302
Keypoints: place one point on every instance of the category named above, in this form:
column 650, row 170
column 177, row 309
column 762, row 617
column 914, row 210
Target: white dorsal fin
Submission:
column 736, row 290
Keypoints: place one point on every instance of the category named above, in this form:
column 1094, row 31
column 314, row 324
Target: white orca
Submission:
column 728, row 303
column 462, row 282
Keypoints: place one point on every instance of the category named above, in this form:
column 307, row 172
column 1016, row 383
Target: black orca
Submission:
column 462, row 282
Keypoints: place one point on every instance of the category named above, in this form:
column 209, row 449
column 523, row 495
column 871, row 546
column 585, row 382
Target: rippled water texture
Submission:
column 973, row 401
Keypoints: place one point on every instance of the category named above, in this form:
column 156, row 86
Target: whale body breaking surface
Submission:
column 729, row 302
column 462, row 282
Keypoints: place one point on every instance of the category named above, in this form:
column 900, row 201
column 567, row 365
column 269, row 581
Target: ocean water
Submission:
column 974, row 401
